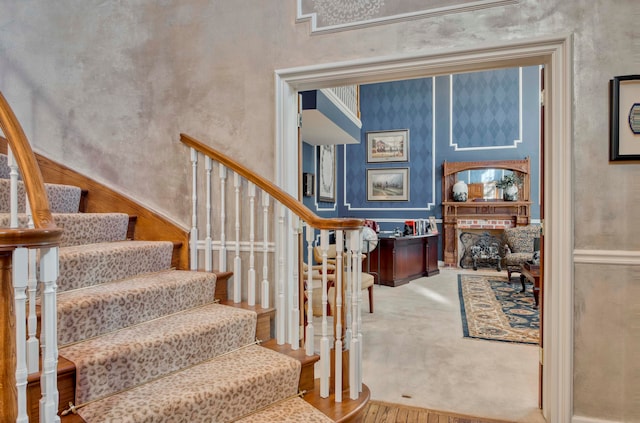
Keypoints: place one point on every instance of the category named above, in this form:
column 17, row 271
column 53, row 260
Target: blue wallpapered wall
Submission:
column 495, row 116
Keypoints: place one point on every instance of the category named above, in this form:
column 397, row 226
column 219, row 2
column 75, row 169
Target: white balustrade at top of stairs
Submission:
column 283, row 285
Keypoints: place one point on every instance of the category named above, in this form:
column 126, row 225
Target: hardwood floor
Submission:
column 382, row 412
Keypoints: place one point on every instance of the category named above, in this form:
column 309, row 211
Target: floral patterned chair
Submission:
column 518, row 247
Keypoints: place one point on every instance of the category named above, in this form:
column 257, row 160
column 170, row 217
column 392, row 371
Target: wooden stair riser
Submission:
column 307, row 377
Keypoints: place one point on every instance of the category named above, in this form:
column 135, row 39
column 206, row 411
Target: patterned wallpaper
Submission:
column 476, row 116
column 388, row 106
column 486, row 109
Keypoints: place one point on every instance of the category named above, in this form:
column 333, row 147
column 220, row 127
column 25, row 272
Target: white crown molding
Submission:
column 615, row 257
column 494, row 147
column 424, row 13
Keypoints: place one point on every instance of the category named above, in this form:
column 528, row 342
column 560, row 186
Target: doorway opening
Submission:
column 555, row 55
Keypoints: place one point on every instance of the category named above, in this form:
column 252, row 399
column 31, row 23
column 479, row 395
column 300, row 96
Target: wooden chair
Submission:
column 367, row 279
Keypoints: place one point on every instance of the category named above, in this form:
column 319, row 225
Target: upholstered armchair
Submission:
column 518, row 247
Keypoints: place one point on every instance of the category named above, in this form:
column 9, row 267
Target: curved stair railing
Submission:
column 255, row 230
column 18, row 248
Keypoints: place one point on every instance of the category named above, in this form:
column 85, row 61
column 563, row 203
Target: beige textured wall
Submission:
column 106, row 87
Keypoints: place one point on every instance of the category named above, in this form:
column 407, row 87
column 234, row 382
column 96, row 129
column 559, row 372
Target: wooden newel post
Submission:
column 8, row 390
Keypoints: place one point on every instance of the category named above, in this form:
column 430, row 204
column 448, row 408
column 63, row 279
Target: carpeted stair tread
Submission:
column 292, row 410
column 82, row 228
column 128, row 357
column 62, row 198
column 219, row 390
column 89, row 312
column 92, row 264
column 91, row 228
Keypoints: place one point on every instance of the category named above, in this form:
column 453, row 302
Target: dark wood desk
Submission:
column 531, row 273
column 405, row 258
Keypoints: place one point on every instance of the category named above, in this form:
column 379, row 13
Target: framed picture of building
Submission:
column 388, row 146
column 390, row 184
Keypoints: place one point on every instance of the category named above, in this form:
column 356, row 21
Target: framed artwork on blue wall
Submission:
column 327, row 173
column 388, row 146
column 390, row 184
column 625, row 118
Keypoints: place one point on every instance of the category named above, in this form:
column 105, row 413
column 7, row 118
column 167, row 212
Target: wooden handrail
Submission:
column 274, row 191
column 34, row 184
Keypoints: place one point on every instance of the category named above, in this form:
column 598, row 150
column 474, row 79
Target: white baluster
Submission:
column 13, row 189
column 208, row 252
column 48, row 379
column 310, row 334
column 354, row 348
column 237, row 262
column 193, row 236
column 223, row 219
column 325, row 359
column 294, row 314
column 280, row 299
column 348, row 284
column 264, row 297
column 251, row 276
column 358, row 270
column 33, row 344
column 20, row 270
column 337, row 315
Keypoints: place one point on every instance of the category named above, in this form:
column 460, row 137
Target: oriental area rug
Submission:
column 494, row 309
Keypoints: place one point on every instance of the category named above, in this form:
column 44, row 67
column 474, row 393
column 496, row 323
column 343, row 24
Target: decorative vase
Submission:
column 510, row 193
column 460, row 191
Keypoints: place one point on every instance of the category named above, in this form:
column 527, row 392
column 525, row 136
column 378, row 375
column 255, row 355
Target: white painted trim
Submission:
column 582, row 419
column 430, row 205
column 245, row 246
column 558, row 337
column 615, row 257
column 477, row 5
column 342, row 107
column 556, row 54
column 493, row 147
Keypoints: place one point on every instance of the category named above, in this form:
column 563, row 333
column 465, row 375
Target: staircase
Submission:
column 138, row 339
column 150, row 343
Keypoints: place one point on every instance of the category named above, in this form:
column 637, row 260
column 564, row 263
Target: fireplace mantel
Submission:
column 481, row 213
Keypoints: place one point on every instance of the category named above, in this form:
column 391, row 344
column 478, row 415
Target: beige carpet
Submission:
column 415, row 354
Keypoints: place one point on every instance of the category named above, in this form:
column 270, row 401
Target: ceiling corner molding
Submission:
column 345, row 18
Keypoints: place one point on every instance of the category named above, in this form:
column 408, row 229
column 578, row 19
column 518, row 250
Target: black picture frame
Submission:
column 624, row 96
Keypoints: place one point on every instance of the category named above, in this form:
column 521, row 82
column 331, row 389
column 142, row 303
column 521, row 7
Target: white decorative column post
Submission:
column 193, row 235
column 20, row 270
column 48, row 379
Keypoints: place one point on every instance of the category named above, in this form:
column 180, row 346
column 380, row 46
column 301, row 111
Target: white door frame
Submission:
column 556, row 55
